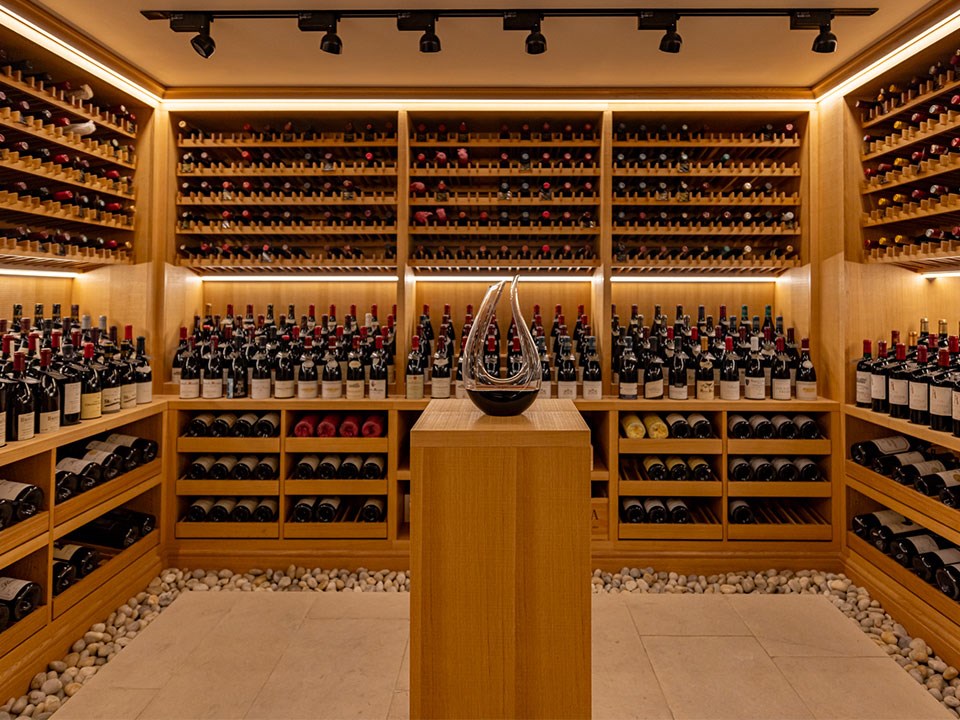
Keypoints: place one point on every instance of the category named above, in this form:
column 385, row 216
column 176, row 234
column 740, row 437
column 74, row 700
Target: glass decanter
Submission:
column 494, row 395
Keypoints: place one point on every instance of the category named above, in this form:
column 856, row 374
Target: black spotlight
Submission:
column 662, row 20
column 325, row 23
column 198, row 23
column 424, row 22
column 536, row 43
column 826, row 41
column 671, row 41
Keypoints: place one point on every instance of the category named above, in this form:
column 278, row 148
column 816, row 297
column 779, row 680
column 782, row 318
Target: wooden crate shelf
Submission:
column 218, row 488
column 671, row 488
column 779, row 447
column 107, row 570
column 335, row 530
column 228, row 530
column 335, row 487
column 672, row 446
column 336, row 445
column 101, row 497
column 244, row 445
column 797, row 489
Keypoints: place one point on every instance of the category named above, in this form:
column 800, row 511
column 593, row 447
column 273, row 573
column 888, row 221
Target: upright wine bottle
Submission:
column 47, row 394
column 91, row 391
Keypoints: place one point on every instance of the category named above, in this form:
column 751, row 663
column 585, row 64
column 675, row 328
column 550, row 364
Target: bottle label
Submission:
column 307, row 389
column 592, row 390
column 691, row 377
column 903, row 526
column 9, row 587
column 951, row 478
column 949, row 556
column 175, row 376
column 119, row 439
column 71, row 398
column 206, row 462
column 919, row 396
column 628, row 391
column 331, row 389
column 378, row 389
column 899, row 392
column 941, row 401
column 228, row 461
column 91, row 406
column 678, row 393
column 73, row 465
column 111, row 400
column 924, row 544
column 48, row 422
column 414, row 387
column 729, row 390
column 212, row 388
column 878, row 387
column 806, row 390
column 65, row 552
column 440, row 387
column 283, row 389
column 144, row 392
column 189, row 389
column 355, row 389
column 10, row 489
column 892, row 445
column 910, row 458
column 259, row 389
column 566, row 390
column 391, row 374
column 97, row 456
column 706, row 390
column 754, row 389
column 780, row 389
column 128, row 395
column 956, row 405
column 653, row 389
column 863, row 387
column 929, row 467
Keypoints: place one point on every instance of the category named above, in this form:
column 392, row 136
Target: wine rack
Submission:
column 317, row 200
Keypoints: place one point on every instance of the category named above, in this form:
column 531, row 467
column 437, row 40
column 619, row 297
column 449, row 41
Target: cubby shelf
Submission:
column 336, row 530
column 335, row 487
column 671, row 488
column 647, row 446
column 335, row 445
column 23, row 630
column 217, row 488
column 103, row 496
column 671, row 531
column 904, row 427
column 242, row 445
column 228, row 530
column 780, row 489
column 765, row 448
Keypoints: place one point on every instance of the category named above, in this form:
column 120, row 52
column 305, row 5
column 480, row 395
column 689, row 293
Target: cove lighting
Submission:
column 298, row 278
column 691, row 279
column 497, row 278
column 945, row 274
column 41, row 37
column 62, row 274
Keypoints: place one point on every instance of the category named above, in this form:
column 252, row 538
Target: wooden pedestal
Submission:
column 500, row 559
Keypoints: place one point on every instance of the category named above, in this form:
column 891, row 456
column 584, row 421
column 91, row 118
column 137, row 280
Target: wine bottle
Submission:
column 679, row 427
column 373, row 468
column 108, row 530
column 738, row 427
column 64, row 575
column 267, row 468
column 786, row 429
column 303, row 510
column 740, row 513
column 266, row 510
column 676, row 468
column 222, row 468
column 656, row 428
column 84, row 559
column 244, row 425
column 629, row 371
column 632, row 426
column 655, row 510
column 631, row 510
column 808, row 469
column 221, row 509
column 889, row 532
column 786, row 471
column 863, row 375
column 198, row 510
column 866, row 452
column 700, row 469
column 306, row 468
column 200, row 467
column 678, row 511
column 763, row 470
column 331, row 380
column 655, row 468
column 729, row 373
column 245, row 467
column 926, row 555
column 700, row 427
column 47, row 395
column 21, row 597
column 24, row 500
column 267, row 426
column 326, row 509
column 889, row 464
column 143, row 373
column 372, row 510
column 211, row 387
column 739, row 470
column 21, row 402
column 415, row 371
column 806, row 378
column 244, row 509
column 761, row 427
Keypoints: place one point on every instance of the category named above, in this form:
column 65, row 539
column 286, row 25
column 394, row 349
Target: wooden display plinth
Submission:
column 500, row 556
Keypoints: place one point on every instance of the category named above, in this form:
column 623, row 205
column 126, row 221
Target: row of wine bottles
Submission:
column 933, row 558
column 906, row 164
column 778, row 469
column 247, row 218
column 920, row 383
column 348, row 190
column 86, row 206
column 928, row 469
column 938, row 75
column 345, row 425
column 264, row 252
column 18, row 501
column 339, row 508
column 544, row 131
column 673, row 425
column 505, row 251
column 18, row 598
column 74, row 562
column 205, row 162
column 87, row 463
column 341, row 467
column 249, row 424
column 654, row 510
column 233, row 467
column 899, row 241
column 503, row 157
column 58, row 240
column 117, row 529
column 507, row 189
column 762, row 427
column 291, row 131
column 233, row 509
column 673, row 467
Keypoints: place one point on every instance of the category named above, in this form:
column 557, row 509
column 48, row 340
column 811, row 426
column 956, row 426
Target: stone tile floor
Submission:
column 344, row 655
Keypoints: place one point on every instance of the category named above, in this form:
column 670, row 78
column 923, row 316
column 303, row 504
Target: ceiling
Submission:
column 603, row 52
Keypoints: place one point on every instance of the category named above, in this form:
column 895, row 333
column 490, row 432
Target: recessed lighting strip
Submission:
column 496, row 278
column 17, row 272
column 44, row 39
column 298, row 278
column 944, row 274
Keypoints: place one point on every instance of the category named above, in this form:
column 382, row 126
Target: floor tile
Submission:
column 684, row 615
column 359, row 605
column 624, row 685
column 721, row 678
column 400, row 706
column 106, row 703
column 403, row 677
column 342, row 668
column 802, row 626
column 859, row 689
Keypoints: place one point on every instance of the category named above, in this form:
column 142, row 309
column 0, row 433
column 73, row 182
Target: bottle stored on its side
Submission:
column 740, row 513
column 21, row 597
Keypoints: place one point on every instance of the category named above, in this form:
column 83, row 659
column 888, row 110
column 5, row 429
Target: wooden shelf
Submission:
column 779, row 447
column 493, row 140
column 244, row 445
column 101, row 496
column 13, row 162
column 924, row 98
column 492, row 200
column 88, row 512
column 911, row 212
column 273, row 404
column 926, row 511
column 335, row 445
column 540, row 267
column 738, row 140
column 494, row 170
column 924, row 170
column 734, row 268
column 289, row 230
column 671, row 488
column 293, row 169
column 58, row 257
column 673, row 446
column 18, row 123
column 36, row 89
column 783, row 521
column 705, row 230
column 258, row 140
column 671, row 531
column 823, row 489
column 698, row 170
column 235, row 530
column 285, row 267
column 695, row 199
column 23, row 630
column 904, row 427
column 497, row 230
column 911, row 136
column 925, row 257
column 335, row 530
column 230, row 488
column 302, row 488
column 298, row 200
column 12, row 551
column 18, row 534
column 58, row 213
column 111, row 568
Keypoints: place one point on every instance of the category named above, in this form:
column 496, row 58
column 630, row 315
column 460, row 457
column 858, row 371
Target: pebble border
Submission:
column 64, row 678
